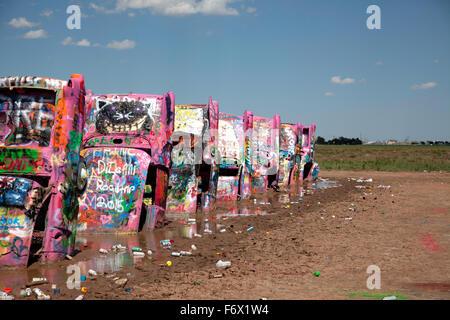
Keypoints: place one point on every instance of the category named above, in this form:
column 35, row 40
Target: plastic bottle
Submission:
column 223, row 264
column 176, row 254
column 92, row 272
column 80, row 297
column 185, row 253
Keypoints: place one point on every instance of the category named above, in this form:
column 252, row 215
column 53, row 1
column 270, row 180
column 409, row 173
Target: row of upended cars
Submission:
column 74, row 162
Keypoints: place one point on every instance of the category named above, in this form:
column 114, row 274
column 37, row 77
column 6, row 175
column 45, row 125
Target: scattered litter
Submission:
column 384, row 212
column 223, row 230
column 193, row 247
column 360, row 187
column 118, row 247
column 167, row 243
column 138, row 254
column 263, row 299
column 92, row 272
column 68, row 257
column 169, row 263
column 121, row 282
column 136, row 249
column 333, row 216
column 348, row 218
column 176, row 254
column 362, row 180
column 223, row 264
column 383, row 187
column 390, row 298
column 128, row 289
column 40, row 294
column 317, row 273
column 185, row 253
column 250, row 229
column 196, row 283
column 197, row 235
column 5, row 296
column 39, row 279
column 84, row 289
column 55, row 291
column 207, row 231
column 80, row 297
column 83, row 278
column 218, row 276
column 104, row 251
column 149, row 252
column 191, row 220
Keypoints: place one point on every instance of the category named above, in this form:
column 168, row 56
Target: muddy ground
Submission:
column 404, row 230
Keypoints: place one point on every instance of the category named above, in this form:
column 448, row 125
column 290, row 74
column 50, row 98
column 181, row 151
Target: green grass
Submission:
column 383, row 158
column 377, row 296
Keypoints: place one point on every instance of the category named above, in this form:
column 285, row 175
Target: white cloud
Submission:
column 176, row 7
column 101, row 8
column 83, row 43
column 338, row 80
column 329, row 94
column 67, row 41
column 21, row 23
column 121, row 45
column 47, row 13
column 35, row 34
column 424, row 86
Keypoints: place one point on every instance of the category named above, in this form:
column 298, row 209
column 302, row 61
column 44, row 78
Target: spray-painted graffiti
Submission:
column 35, row 82
column 308, row 168
column 115, row 186
column 25, row 120
column 265, row 151
column 288, row 149
column 231, row 140
column 40, row 135
column 193, row 157
column 18, row 200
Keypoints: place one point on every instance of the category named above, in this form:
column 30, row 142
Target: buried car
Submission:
column 265, row 151
column 127, row 146
column 234, row 148
column 308, row 168
column 289, row 154
column 194, row 170
column 41, row 174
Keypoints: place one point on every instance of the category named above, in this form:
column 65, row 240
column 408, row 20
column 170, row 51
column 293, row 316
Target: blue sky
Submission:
column 308, row 61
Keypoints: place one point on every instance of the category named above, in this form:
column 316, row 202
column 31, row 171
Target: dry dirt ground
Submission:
column 404, row 230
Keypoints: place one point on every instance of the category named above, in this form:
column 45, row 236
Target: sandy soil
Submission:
column 410, row 243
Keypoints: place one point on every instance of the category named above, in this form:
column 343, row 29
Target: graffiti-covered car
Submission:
column 126, row 146
column 265, row 151
column 194, row 171
column 289, row 154
column 40, row 170
column 234, row 156
column 308, row 168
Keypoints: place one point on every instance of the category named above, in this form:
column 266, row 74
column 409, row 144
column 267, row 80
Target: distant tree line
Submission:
column 340, row 140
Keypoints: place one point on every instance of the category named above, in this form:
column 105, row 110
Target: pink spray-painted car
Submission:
column 194, row 171
column 234, row 156
column 40, row 170
column 127, row 146
column 265, row 151
column 308, row 168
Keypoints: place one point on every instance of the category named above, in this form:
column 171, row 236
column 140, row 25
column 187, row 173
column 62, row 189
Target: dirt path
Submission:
column 410, row 243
